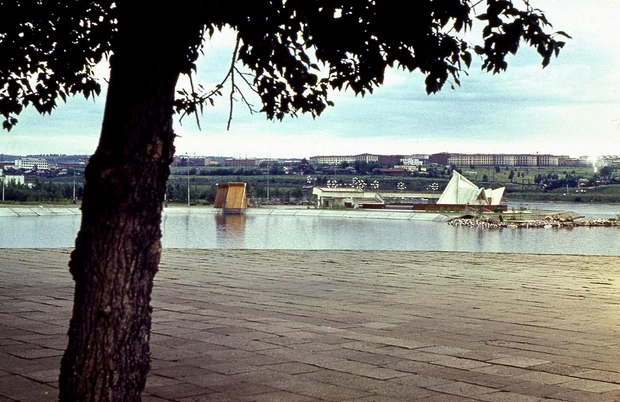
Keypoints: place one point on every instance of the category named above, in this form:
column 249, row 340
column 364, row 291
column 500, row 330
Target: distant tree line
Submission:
column 40, row 191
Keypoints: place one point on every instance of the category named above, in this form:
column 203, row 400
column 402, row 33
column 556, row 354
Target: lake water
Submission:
column 199, row 228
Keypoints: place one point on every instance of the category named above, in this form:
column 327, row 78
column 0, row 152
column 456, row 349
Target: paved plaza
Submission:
column 268, row 325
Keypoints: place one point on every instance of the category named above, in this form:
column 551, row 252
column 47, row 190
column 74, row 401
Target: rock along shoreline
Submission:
column 549, row 221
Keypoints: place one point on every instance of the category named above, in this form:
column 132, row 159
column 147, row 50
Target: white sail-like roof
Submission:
column 462, row 191
column 497, row 195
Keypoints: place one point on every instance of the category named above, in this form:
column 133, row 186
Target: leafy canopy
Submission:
column 295, row 50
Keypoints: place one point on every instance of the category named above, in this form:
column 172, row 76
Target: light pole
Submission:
column 268, row 177
column 188, row 192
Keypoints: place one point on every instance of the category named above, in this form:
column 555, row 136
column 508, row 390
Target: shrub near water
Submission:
column 41, row 192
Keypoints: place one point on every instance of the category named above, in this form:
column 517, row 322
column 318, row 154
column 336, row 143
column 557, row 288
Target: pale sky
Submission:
column 572, row 107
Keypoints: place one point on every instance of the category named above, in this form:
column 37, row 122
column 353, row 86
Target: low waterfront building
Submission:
column 342, row 197
column 349, row 197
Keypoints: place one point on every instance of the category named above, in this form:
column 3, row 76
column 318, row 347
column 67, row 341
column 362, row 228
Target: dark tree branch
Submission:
column 194, row 102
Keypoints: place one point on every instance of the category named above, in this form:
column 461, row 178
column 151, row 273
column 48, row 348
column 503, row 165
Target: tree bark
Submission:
column 118, row 247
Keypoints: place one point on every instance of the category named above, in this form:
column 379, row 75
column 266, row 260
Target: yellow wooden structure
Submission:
column 232, row 197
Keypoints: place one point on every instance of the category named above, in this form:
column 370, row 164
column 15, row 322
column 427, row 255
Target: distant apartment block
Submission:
column 32, row 163
column 331, row 159
column 368, row 158
column 573, row 162
column 335, row 160
column 470, row 159
column 14, row 179
column 415, row 160
column 598, row 161
column 609, row 160
column 495, row 159
column 241, row 162
column 524, row 160
column 184, row 160
column 548, row 160
column 390, row 160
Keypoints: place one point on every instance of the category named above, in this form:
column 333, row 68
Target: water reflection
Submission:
column 39, row 231
column 230, row 229
column 210, row 230
column 233, row 223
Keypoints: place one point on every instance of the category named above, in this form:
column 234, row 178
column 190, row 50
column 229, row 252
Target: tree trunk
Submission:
column 118, row 247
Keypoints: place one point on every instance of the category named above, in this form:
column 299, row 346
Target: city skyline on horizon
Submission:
column 258, row 157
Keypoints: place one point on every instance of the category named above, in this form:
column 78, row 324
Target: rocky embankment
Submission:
column 551, row 221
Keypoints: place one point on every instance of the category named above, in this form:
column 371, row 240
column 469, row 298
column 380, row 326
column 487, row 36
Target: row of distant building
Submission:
column 476, row 159
column 404, row 161
column 13, row 171
column 19, row 164
column 42, row 163
column 445, row 158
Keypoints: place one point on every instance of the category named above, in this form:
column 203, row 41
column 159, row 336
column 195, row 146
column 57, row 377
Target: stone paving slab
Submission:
column 271, row 325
